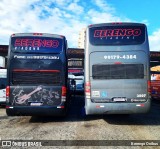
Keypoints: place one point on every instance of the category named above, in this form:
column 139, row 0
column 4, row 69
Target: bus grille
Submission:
column 36, row 78
column 118, row 71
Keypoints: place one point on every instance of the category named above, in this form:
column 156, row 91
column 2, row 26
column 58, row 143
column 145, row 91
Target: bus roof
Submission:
column 38, row 34
column 116, row 23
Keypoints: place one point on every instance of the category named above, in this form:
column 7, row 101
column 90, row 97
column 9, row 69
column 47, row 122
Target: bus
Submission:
column 155, row 74
column 3, row 83
column 37, row 75
column 75, row 60
column 117, row 71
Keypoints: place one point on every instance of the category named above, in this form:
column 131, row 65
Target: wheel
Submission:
column 9, row 112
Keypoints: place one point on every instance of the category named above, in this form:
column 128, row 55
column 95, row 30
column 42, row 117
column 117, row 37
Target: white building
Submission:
column 81, row 39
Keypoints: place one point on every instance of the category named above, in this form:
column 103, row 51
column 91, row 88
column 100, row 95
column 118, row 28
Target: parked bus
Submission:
column 155, row 74
column 3, row 83
column 37, row 75
column 75, row 60
column 117, row 79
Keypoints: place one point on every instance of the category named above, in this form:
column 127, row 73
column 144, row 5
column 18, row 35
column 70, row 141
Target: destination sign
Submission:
column 36, row 44
column 117, row 35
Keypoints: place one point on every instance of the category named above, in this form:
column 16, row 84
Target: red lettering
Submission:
column 97, row 33
column 117, row 32
column 24, row 42
column 49, row 43
column 121, row 32
column 17, row 42
column 55, row 43
column 29, row 43
column 36, row 43
column 137, row 32
column 129, row 32
column 109, row 32
column 43, row 43
column 103, row 33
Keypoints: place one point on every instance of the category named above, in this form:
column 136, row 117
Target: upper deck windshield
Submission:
column 117, row 35
column 32, row 44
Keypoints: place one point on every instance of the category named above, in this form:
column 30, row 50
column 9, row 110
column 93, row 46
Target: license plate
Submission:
column 79, row 87
column 119, row 99
column 36, row 104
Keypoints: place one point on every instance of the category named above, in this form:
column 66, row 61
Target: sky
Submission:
column 68, row 17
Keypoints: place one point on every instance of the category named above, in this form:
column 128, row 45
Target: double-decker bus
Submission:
column 75, row 60
column 117, row 79
column 75, row 65
column 37, row 75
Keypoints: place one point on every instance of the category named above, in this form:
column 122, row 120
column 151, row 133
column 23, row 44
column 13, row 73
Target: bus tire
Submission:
column 9, row 113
